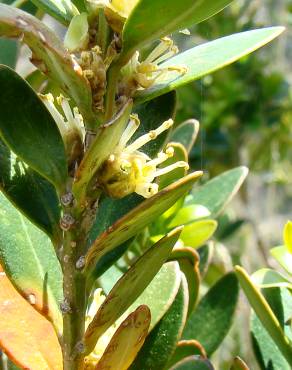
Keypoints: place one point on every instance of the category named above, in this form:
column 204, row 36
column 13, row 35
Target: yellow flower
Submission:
column 144, row 74
column 129, row 170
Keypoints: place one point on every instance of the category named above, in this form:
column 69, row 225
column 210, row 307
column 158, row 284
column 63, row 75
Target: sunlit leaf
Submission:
column 26, row 336
column 151, row 20
column 160, row 344
column 138, row 218
column 22, row 111
column 214, row 314
column 30, row 261
column 127, row 341
column 50, row 56
column 129, row 287
column 209, row 57
column 186, row 133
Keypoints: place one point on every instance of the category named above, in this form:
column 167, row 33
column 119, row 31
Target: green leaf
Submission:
column 30, row 261
column 206, row 254
column 265, row 314
column 135, row 221
column 186, row 133
column 218, row 192
column 209, row 57
column 77, row 36
column 284, row 258
column 188, row 260
column 127, row 341
column 239, row 364
column 198, row 233
column 212, row 319
column 266, row 351
column 267, row 278
column 50, row 57
column 186, row 348
column 8, row 52
column 189, row 213
column 193, row 363
column 151, row 20
column 29, row 192
column 29, row 130
column 130, row 287
column 160, row 344
column 166, row 282
column 62, row 10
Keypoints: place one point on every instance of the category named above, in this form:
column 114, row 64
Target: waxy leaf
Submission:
column 166, row 282
column 265, row 349
column 26, row 336
column 133, row 222
column 188, row 260
column 265, row 314
column 186, row 348
column 151, row 20
column 29, row 130
column 193, row 363
column 197, row 233
column 62, row 10
column 267, row 278
column 283, row 257
column 239, row 364
column 218, row 192
column 186, row 133
column 127, row 341
column 30, row 261
column 129, row 287
column 209, row 57
column 160, row 344
column 49, row 56
column 8, row 52
column 212, row 319
column 33, row 195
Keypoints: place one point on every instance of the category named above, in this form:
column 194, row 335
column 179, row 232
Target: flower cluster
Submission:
column 144, row 74
column 129, row 170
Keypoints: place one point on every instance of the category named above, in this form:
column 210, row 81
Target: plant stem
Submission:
column 103, row 32
column 74, row 305
column 113, row 75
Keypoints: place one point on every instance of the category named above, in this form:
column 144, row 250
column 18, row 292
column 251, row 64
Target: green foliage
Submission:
column 117, row 275
column 211, row 320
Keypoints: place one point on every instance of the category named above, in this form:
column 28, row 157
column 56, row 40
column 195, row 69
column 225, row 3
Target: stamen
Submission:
column 142, row 140
column 171, row 53
column 165, row 44
column 66, row 107
column 130, row 130
column 48, row 100
column 147, row 189
column 161, row 157
column 163, row 171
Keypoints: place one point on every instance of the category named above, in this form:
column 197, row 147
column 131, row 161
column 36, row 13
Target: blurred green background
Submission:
column 245, row 114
